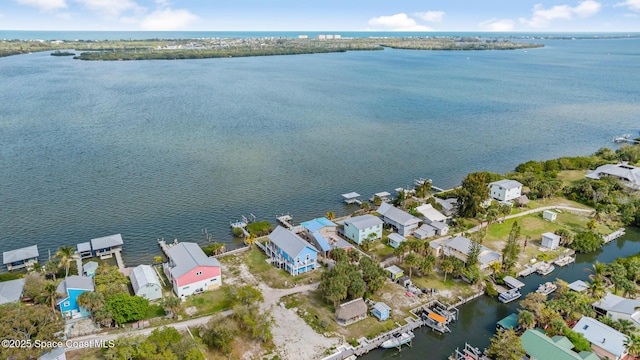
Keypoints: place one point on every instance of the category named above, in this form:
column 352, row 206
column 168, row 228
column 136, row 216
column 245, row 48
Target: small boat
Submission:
column 398, row 340
column 547, row 288
column 509, row 295
column 623, row 138
column 545, row 269
column 565, row 260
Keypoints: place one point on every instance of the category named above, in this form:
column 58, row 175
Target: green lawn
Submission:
column 154, row 311
column 209, row 302
column 275, row 278
column 571, row 177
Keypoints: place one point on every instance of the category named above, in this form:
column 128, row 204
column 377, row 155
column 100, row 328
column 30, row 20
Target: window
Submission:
column 308, row 257
column 199, row 273
column 66, row 303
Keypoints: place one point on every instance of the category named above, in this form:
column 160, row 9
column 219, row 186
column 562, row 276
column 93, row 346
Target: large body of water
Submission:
column 153, row 149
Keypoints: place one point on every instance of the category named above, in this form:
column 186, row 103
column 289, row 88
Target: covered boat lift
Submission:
column 513, row 283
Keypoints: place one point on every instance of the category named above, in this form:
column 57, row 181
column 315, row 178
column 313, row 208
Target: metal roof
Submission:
column 539, row 346
column 186, row 256
column 507, row 184
column 396, row 237
column 322, row 242
column 513, row 282
column 462, row 244
column 382, row 194
column 425, row 231
column 143, row 275
column 601, row 335
column 396, row 215
column 11, row 291
column 24, row 253
column 628, row 172
column 84, row 247
column 509, row 322
column 106, row 242
column 317, row 224
column 439, row 225
column 578, row 286
column 75, row 282
column 430, row 212
column 351, row 195
column 617, row 304
column 551, row 236
column 289, row 242
column 364, row 221
column 381, row 307
column 394, row 270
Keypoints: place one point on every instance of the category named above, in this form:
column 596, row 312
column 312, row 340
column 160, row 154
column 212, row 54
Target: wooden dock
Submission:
column 285, row 220
column 165, row 247
column 530, row 269
column 614, row 235
column 119, row 261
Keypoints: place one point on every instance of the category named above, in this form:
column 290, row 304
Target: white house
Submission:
column 505, row 190
column 629, row 175
column 430, row 213
column 606, row 342
column 361, row 227
column 145, row 282
column 617, row 307
column 441, row 227
column 550, row 240
column 549, row 215
column 425, row 231
column 402, row 221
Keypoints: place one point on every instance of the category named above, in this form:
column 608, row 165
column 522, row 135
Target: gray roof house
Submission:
column 11, row 291
column 20, row 258
column 145, row 283
column 449, row 206
column 191, row 271
column 606, row 342
column 617, row 307
column 630, row 175
column 404, row 222
column 424, row 232
column 105, row 246
column 290, row 252
column 505, row 190
column 84, row 250
column 363, row 227
column 459, row 247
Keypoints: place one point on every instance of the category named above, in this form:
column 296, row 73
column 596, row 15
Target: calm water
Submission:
column 155, row 149
column 478, row 318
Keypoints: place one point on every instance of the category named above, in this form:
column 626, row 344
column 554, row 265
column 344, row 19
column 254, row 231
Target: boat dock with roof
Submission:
column 351, row 198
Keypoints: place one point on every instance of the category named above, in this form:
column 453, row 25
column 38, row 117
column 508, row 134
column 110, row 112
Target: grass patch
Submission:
column 571, row 177
column 154, row 311
column 256, row 260
column 209, row 302
column 260, row 228
column 313, row 310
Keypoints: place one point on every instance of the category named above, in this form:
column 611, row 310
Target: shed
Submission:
column 441, row 227
column 550, row 241
column 509, row 322
column 395, row 239
column 513, row 282
column 394, row 272
column 549, row 215
column 350, row 312
column 381, row 311
column 425, row 231
column 90, row 268
column 145, row 282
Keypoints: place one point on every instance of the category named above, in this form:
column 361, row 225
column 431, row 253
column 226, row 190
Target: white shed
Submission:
column 145, row 283
column 550, row 240
column 549, row 215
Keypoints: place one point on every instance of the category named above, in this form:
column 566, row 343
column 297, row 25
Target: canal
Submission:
column 478, row 318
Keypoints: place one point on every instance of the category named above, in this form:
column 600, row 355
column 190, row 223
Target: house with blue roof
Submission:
column 70, row 288
column 606, row 342
column 323, row 234
column 363, row 227
column 290, row 252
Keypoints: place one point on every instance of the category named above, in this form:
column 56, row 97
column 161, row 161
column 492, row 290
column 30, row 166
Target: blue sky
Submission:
column 323, row 15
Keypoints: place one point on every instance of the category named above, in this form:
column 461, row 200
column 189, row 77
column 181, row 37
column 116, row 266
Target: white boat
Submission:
column 565, row 260
column 398, row 340
column 509, row 295
column 545, row 269
column 623, row 138
column 547, row 288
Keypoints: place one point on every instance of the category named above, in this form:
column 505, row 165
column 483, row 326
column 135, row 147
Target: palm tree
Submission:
column 626, row 326
column 51, row 293
column 91, row 300
column 51, row 268
column 330, row 215
column 632, row 343
column 598, row 271
column 411, row 260
column 446, row 266
column 427, row 263
column 66, row 254
column 597, row 290
column 172, row 304
column 526, row 319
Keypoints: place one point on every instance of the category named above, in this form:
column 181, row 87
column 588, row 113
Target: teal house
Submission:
column 70, row 288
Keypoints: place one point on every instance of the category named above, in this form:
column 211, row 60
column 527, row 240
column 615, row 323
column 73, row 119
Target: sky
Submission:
column 322, row 15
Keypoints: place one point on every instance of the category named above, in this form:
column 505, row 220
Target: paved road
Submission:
column 271, row 297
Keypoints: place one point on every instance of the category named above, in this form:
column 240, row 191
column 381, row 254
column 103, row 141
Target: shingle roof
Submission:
column 289, row 242
column 186, row 256
column 351, row 309
column 106, row 242
column 143, row 275
column 317, row 224
column 601, row 335
column 397, row 215
column 11, row 291
column 507, row 184
column 75, row 282
column 364, row 221
column 24, row 253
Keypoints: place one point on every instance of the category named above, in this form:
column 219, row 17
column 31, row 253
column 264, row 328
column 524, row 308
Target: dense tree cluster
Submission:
column 163, row 343
column 28, row 323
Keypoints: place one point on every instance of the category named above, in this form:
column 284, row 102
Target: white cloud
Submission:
column 497, row 25
column 109, row 7
column 542, row 17
column 633, row 5
column 397, row 22
column 630, row 15
column 430, row 16
column 167, row 19
column 44, row 5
